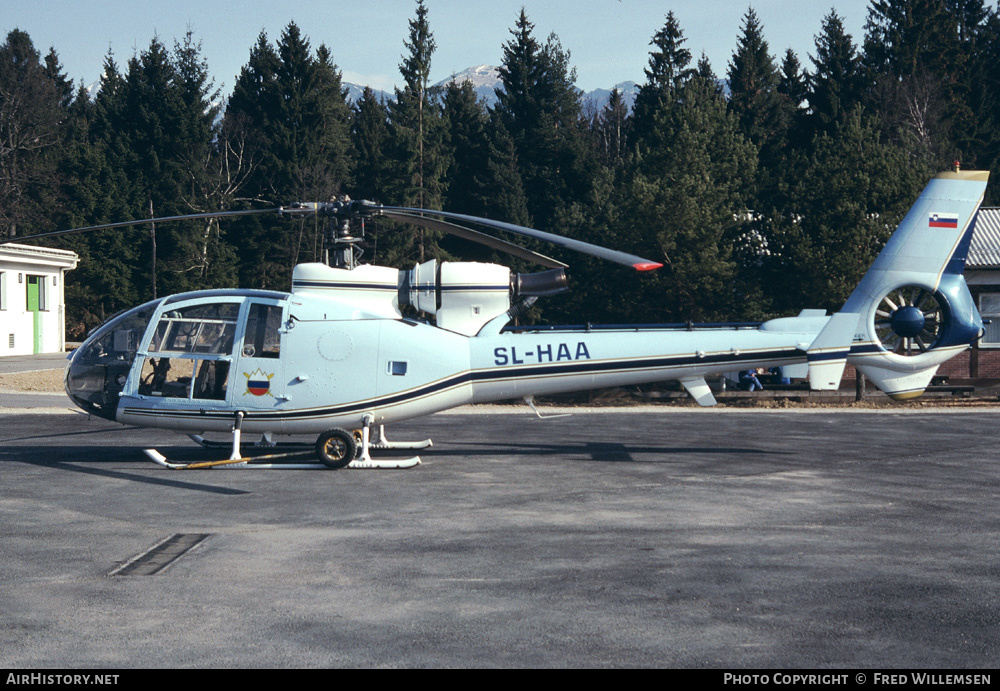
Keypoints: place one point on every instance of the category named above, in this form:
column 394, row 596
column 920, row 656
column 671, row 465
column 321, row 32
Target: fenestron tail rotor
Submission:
column 908, row 320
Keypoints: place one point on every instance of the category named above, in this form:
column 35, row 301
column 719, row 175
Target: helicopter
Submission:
column 340, row 355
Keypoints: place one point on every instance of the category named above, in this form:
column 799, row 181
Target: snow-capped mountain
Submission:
column 486, row 80
column 355, row 91
column 598, row 98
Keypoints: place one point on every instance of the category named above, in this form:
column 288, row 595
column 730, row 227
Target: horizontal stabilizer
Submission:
column 698, row 388
column 828, row 352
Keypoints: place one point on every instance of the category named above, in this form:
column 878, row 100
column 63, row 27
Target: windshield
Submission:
column 97, row 371
column 118, row 338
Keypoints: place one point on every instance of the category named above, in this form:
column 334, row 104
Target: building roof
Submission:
column 984, row 250
column 44, row 256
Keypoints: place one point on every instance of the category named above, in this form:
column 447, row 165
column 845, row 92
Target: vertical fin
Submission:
column 827, row 354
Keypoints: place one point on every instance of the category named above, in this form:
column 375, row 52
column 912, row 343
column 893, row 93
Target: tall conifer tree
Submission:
column 418, row 134
column 31, row 110
column 540, row 108
column 668, row 69
column 834, row 85
column 754, row 97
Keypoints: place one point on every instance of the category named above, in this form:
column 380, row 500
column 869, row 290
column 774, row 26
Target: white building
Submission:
column 32, row 301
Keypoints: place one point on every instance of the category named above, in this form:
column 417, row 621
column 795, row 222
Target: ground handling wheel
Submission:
column 336, row 448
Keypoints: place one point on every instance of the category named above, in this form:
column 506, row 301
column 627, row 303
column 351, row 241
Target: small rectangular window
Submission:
column 3, row 290
column 262, row 338
column 397, row 368
column 989, row 308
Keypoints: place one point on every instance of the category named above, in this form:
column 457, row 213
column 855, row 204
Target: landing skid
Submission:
column 262, row 443
column 267, row 462
column 283, row 460
column 379, row 442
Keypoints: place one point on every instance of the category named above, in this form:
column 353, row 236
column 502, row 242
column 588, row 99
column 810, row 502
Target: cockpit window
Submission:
column 118, row 338
column 206, row 329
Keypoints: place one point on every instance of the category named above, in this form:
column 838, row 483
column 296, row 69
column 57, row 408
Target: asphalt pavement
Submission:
column 30, row 363
column 615, row 538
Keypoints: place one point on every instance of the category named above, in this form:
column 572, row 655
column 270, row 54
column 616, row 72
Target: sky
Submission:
column 608, row 40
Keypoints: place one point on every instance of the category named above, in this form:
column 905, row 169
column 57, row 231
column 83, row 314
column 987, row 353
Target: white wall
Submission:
column 17, row 263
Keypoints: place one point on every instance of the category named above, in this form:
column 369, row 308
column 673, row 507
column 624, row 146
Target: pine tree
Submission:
column 667, row 71
column 54, row 71
column 540, row 109
column 483, row 178
column 705, row 71
column 30, row 116
column 99, row 188
column 613, row 128
column 984, row 100
column 764, row 115
column 689, row 188
column 920, row 55
column 205, row 256
column 333, row 118
column 254, row 107
column 843, row 208
column 416, row 118
column 417, row 132
column 756, row 101
column 834, row 86
column 290, row 106
column 369, row 138
column 468, row 147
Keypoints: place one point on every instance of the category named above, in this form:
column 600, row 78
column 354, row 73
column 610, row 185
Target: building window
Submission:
column 989, row 308
column 3, row 290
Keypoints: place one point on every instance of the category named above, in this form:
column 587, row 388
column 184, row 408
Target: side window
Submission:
column 187, row 353
column 184, row 378
column 205, row 329
column 262, row 338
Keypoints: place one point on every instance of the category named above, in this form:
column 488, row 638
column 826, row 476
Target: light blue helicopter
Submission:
column 337, row 358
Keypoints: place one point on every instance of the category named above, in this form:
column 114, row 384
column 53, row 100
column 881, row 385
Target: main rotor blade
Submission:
column 141, row 221
column 636, row 262
column 475, row 236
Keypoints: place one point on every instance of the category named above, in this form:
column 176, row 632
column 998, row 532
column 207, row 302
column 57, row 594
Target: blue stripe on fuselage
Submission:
column 487, row 375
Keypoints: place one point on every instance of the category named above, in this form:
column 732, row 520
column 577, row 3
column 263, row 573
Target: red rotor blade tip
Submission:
column 647, row 266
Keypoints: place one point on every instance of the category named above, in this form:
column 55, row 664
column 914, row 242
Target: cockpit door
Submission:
column 258, row 381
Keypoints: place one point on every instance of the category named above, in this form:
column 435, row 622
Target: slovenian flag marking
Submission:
column 258, row 387
column 939, row 220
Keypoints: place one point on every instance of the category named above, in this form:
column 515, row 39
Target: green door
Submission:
column 35, row 307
